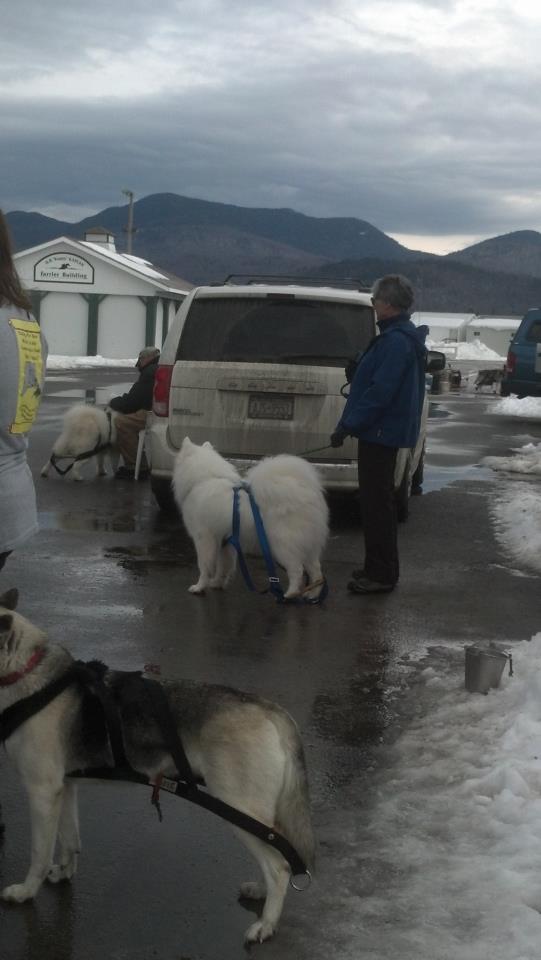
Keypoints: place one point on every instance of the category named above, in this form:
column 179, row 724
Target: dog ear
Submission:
column 10, row 599
column 208, row 445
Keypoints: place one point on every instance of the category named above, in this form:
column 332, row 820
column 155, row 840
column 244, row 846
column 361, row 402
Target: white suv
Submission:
column 257, row 369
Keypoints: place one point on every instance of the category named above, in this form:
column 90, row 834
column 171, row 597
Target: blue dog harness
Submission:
column 274, row 581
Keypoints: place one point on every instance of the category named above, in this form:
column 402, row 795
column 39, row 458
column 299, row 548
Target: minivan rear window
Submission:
column 275, row 329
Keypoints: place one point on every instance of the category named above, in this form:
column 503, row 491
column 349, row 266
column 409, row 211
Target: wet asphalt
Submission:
column 107, row 576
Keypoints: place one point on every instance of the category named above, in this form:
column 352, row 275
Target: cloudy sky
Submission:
column 420, row 116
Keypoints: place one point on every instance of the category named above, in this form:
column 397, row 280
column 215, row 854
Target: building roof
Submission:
column 447, row 320
column 143, row 269
column 496, row 323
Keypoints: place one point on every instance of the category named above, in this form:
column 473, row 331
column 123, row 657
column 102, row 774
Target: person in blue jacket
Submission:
column 383, row 411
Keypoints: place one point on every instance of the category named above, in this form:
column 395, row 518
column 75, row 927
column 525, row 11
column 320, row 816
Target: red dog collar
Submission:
column 13, row 677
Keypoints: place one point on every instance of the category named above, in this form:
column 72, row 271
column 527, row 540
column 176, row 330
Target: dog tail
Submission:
column 293, row 806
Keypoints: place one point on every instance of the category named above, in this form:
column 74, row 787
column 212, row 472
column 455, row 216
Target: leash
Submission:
column 274, row 581
column 90, row 676
column 99, row 448
column 307, row 453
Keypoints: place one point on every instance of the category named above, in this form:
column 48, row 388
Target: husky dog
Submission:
column 489, row 378
column 289, row 495
column 247, row 751
column 84, row 429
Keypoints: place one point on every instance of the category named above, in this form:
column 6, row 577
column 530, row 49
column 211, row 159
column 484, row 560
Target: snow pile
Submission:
column 517, row 516
column 451, row 851
column 465, row 351
column 527, row 408
column 57, row 362
column 527, row 460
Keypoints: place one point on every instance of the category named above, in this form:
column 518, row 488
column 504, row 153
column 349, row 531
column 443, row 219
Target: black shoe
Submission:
column 125, row 473
column 358, row 574
column 364, row 585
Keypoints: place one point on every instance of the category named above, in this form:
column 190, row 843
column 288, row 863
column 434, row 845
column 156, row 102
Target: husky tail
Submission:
column 293, row 819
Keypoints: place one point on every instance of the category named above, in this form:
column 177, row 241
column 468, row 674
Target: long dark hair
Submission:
column 11, row 290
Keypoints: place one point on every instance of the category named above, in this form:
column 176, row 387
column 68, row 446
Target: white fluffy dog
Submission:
column 290, row 497
column 85, row 428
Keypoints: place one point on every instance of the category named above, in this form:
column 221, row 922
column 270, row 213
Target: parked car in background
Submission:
column 523, row 367
column 257, row 368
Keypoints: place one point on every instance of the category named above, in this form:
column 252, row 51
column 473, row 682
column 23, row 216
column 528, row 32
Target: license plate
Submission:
column 263, row 406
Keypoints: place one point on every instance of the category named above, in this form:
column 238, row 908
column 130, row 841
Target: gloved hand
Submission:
column 337, row 438
column 350, row 368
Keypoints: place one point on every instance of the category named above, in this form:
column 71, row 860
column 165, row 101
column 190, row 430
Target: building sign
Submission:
column 63, row 268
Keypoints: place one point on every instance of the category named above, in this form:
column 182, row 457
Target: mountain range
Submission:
column 203, row 241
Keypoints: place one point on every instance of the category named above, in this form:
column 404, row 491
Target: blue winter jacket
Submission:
column 387, row 392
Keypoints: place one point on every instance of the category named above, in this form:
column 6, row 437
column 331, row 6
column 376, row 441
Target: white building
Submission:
column 91, row 300
column 495, row 332
column 449, row 327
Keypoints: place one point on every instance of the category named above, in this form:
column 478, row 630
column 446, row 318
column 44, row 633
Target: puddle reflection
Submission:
column 91, row 520
column 436, row 478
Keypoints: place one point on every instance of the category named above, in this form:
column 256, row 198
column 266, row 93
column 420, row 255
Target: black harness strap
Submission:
column 12, row 717
column 238, row 819
column 91, row 676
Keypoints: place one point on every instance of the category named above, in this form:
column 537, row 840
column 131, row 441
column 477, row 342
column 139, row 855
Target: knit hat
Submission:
column 146, row 354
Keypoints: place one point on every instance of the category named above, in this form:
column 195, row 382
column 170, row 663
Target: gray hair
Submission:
column 394, row 290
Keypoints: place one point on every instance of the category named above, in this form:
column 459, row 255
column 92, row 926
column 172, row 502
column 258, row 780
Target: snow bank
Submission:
column 57, row 362
column 465, row 351
column 450, row 862
column 517, row 517
column 527, row 408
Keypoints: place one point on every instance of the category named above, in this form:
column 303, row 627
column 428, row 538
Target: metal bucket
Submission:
column 441, row 381
column 484, row 667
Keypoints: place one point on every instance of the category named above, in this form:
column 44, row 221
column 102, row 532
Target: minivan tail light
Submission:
column 162, row 389
column 511, row 362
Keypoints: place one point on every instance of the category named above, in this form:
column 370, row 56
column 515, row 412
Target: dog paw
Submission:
column 216, row 584
column 59, row 872
column 259, row 931
column 252, row 891
column 195, row 588
column 17, row 893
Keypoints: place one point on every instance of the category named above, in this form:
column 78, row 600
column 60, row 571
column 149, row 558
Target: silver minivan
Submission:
column 258, row 369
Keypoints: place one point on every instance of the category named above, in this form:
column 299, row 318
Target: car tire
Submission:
column 163, row 494
column 402, row 496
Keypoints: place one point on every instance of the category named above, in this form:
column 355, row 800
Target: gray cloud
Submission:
column 330, row 107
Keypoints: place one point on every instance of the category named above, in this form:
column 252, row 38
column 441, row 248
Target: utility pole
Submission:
column 129, row 230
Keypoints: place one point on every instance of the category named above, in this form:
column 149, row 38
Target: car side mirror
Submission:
column 435, row 361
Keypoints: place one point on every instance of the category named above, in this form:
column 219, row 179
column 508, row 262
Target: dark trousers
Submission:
column 378, row 511
column 3, row 558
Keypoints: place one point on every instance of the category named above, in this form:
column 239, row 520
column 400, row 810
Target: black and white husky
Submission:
column 85, row 429
column 246, row 750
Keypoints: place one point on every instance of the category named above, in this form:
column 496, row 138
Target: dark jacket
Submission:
column 387, row 392
column 140, row 395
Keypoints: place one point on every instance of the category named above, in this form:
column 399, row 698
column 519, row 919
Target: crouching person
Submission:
column 131, row 413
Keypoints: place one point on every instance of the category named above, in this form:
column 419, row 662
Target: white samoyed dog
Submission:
column 85, row 428
column 289, row 494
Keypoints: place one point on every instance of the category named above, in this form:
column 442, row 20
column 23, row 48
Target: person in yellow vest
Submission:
column 23, row 357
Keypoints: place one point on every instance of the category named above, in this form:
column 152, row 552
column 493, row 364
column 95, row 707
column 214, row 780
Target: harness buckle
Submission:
column 301, row 886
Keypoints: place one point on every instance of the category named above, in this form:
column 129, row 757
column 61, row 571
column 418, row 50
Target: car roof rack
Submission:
column 251, row 278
